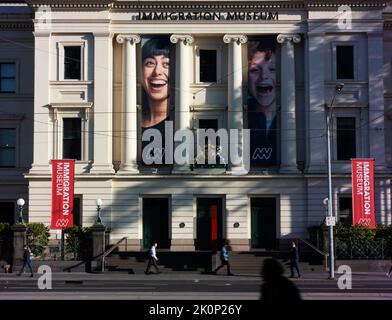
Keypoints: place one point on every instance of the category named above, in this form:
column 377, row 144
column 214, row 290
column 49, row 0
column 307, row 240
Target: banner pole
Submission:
column 62, row 245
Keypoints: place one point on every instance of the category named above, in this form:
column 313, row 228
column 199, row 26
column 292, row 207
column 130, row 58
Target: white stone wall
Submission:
column 300, row 203
column 16, row 109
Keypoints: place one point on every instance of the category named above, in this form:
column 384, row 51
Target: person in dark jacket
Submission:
column 275, row 286
column 26, row 261
column 224, row 256
column 294, row 260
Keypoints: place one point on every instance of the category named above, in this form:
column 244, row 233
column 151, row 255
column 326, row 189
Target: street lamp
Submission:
column 20, row 202
column 99, row 204
column 338, row 88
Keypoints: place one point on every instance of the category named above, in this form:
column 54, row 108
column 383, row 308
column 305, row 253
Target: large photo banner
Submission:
column 262, row 109
column 155, row 80
column 62, row 194
column 363, row 192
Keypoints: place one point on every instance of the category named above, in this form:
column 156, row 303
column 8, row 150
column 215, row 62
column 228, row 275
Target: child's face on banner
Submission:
column 262, row 77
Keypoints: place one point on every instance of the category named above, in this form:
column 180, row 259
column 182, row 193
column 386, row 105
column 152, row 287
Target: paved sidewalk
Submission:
column 184, row 276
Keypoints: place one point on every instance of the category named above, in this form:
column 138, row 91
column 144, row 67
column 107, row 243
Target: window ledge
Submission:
column 209, row 85
column 70, row 82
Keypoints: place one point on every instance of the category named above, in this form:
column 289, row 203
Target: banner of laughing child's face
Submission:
column 262, row 110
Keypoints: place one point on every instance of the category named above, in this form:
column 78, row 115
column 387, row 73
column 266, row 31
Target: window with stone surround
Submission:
column 72, row 61
column 72, row 138
column 7, row 147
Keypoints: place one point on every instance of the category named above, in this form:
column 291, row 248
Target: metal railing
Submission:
column 314, row 248
column 376, row 249
column 110, row 250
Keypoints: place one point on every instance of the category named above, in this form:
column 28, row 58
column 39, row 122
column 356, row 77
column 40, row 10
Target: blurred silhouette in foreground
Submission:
column 275, row 286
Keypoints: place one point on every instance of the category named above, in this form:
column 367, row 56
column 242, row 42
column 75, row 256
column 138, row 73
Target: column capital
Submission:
column 281, row 38
column 239, row 38
column 186, row 38
column 133, row 38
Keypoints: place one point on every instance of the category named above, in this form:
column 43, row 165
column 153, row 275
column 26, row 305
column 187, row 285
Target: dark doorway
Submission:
column 156, row 222
column 263, row 223
column 209, row 224
column 7, row 212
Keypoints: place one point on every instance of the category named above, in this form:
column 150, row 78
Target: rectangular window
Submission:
column 72, row 143
column 346, row 211
column 208, row 66
column 7, row 147
column 345, row 62
column 345, row 138
column 7, row 77
column 72, row 63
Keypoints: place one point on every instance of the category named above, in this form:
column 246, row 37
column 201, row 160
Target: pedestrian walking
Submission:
column 224, row 257
column 275, row 286
column 27, row 254
column 389, row 272
column 294, row 260
column 152, row 259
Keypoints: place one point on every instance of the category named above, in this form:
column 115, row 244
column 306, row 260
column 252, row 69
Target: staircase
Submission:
column 251, row 262
column 248, row 262
column 169, row 261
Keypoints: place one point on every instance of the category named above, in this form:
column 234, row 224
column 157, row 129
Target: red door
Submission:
column 214, row 227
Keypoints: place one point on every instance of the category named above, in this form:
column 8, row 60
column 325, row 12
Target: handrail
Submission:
column 318, row 251
column 107, row 252
column 314, row 248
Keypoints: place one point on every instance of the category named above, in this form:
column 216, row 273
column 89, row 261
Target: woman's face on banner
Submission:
column 156, row 77
column 262, row 77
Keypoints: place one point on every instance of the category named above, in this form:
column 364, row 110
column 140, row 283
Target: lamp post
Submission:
column 99, row 204
column 338, row 88
column 20, row 202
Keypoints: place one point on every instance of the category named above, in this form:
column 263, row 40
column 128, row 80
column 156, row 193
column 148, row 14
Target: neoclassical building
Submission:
column 86, row 79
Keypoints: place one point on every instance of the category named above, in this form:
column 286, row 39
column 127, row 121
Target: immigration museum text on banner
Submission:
column 62, row 193
column 363, row 192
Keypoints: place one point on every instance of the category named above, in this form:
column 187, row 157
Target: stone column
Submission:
column 234, row 101
column 43, row 59
column 98, row 241
column 288, row 127
column 19, row 240
column 103, row 102
column 182, row 101
column 376, row 101
column 129, row 115
column 316, row 124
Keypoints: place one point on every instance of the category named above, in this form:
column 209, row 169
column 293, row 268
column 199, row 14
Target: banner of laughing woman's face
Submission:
column 155, row 86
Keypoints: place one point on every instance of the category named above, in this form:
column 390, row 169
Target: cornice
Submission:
column 214, row 5
column 71, row 4
column 4, row 26
column 204, row 5
column 352, row 4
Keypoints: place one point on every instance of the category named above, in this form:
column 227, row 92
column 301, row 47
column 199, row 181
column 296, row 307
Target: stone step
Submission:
column 55, row 266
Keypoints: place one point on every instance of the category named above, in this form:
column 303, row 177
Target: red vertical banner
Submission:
column 214, row 227
column 62, row 193
column 362, row 173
